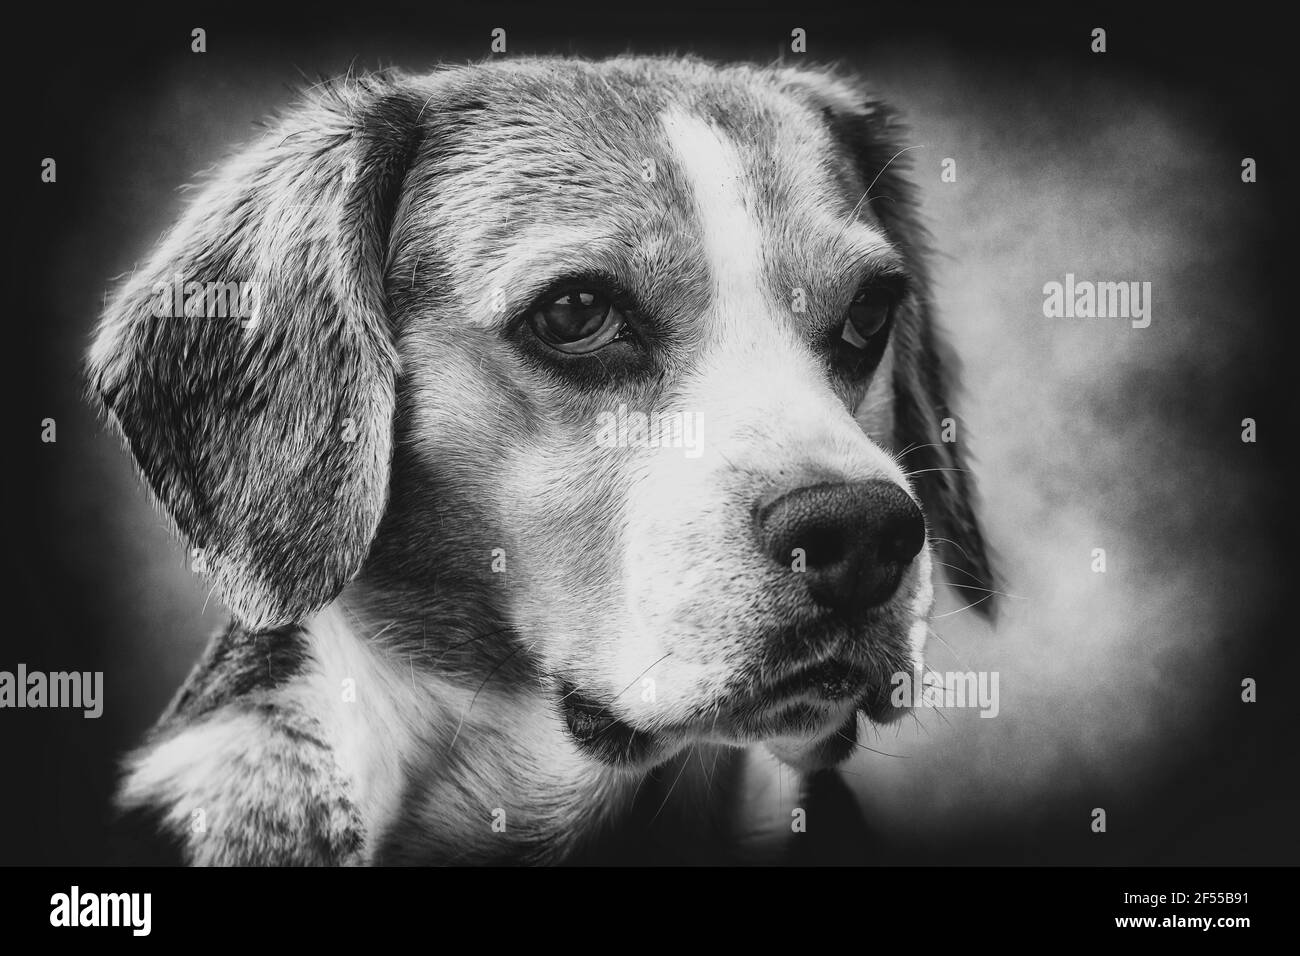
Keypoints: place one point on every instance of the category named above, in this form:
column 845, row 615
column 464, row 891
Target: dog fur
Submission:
column 448, row 599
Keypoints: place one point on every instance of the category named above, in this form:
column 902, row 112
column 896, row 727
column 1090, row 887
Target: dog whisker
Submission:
column 954, row 544
column 939, row 637
column 843, row 736
column 671, row 788
column 858, row 206
column 990, row 591
column 925, row 471
column 953, row 567
column 474, row 699
column 915, row 446
column 640, row 675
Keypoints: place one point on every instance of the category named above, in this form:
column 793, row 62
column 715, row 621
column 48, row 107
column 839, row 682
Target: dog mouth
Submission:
column 829, row 680
column 802, row 704
column 821, row 701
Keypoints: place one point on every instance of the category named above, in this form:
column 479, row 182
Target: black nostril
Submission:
column 902, row 535
column 852, row 540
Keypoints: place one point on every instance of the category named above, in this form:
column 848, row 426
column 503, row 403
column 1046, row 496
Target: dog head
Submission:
column 633, row 359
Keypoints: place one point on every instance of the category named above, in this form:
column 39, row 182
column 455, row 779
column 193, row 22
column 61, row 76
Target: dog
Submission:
column 577, row 482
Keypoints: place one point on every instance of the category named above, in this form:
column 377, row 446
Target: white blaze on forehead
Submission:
column 715, row 172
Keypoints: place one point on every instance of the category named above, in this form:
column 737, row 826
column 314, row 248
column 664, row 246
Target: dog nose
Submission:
column 857, row 539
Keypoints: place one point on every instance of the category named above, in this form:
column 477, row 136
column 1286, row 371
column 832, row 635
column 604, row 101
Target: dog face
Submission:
column 634, row 361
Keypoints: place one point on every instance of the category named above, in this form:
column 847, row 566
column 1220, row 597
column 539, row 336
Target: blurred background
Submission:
column 1119, row 690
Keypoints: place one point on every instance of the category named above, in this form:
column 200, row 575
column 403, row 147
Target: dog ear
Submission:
column 249, row 365
column 930, row 440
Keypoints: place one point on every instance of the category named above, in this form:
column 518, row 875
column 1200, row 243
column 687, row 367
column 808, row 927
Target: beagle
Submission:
column 575, row 457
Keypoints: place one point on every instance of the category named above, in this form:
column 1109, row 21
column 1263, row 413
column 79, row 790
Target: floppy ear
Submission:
column 932, row 443
column 250, row 366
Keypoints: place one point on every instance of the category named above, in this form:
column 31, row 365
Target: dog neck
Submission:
column 452, row 766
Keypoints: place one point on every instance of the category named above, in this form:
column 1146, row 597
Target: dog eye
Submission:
column 868, row 314
column 578, row 321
